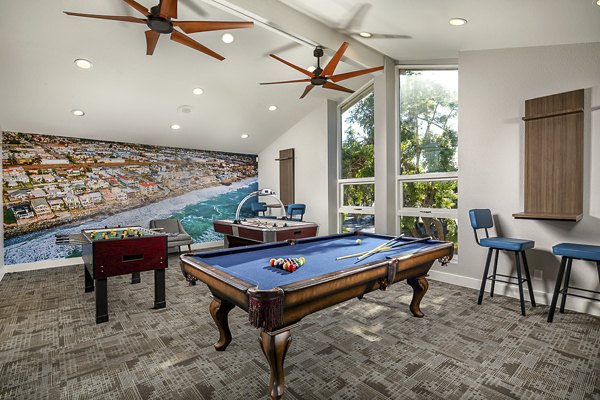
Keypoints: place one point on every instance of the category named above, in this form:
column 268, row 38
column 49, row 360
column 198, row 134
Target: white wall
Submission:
column 308, row 138
column 493, row 86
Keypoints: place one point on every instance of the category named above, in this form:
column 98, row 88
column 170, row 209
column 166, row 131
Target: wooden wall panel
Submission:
column 554, row 157
column 286, row 176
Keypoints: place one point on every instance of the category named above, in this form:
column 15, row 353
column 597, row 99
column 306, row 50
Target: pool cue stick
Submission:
column 372, row 251
column 387, row 248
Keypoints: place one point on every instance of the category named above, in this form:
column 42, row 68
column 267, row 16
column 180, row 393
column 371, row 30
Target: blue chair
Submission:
column 296, row 209
column 570, row 252
column 258, row 208
column 482, row 219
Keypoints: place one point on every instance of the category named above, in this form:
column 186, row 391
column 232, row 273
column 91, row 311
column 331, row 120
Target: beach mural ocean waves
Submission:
column 54, row 185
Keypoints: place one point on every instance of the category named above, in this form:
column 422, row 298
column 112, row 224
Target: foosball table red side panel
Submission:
column 105, row 258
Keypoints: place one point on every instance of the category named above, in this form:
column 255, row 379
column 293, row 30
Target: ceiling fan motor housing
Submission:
column 319, row 80
column 159, row 24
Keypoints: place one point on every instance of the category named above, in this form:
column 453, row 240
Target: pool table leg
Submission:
column 275, row 347
column 219, row 310
column 420, row 286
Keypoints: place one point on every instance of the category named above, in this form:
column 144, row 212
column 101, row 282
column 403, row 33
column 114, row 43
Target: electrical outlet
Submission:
column 537, row 274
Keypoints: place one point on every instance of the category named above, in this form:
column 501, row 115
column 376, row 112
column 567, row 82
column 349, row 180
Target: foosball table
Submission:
column 118, row 251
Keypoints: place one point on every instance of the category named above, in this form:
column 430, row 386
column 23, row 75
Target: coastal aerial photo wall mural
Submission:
column 55, row 184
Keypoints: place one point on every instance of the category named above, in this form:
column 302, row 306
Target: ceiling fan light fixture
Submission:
column 457, row 21
column 244, row 136
column 78, row 113
column 311, row 68
column 272, row 108
column 175, row 127
column 365, row 34
column 198, row 91
column 83, row 63
column 227, row 38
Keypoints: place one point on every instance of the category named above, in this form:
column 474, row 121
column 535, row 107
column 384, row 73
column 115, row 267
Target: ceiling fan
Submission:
column 323, row 76
column 159, row 20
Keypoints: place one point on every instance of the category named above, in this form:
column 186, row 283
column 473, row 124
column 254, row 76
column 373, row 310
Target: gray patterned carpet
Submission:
column 50, row 347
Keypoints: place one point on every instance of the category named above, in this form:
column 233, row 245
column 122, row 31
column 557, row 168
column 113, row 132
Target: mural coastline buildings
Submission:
column 50, row 181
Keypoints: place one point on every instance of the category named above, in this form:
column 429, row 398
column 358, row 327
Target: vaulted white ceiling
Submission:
column 128, row 96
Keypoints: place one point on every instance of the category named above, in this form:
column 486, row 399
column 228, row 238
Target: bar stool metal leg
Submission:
column 559, row 278
column 518, row 262
column 494, row 273
column 528, row 276
column 485, row 275
column 565, row 288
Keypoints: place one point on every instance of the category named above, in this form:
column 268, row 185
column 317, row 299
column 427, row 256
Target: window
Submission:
column 428, row 180
column 357, row 169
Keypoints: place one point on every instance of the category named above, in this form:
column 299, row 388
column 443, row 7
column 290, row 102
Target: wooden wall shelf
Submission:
column 554, row 157
column 556, row 217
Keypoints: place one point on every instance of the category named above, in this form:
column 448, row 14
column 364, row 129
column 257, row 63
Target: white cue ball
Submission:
column 357, row 241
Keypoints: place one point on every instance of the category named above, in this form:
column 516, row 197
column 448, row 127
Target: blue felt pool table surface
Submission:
column 253, row 265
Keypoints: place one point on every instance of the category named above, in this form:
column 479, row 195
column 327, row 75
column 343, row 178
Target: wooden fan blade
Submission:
column 330, row 67
column 137, row 6
column 205, row 26
column 295, row 81
column 306, row 90
column 341, row 77
column 188, row 41
column 297, row 68
column 333, row 86
column 167, row 7
column 111, row 17
column 151, row 40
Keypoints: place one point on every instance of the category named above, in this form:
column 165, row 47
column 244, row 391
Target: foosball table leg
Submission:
column 101, row 301
column 135, row 278
column 89, row 280
column 159, row 289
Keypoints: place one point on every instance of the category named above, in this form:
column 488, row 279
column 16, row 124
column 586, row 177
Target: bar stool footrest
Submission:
column 566, row 291
column 493, row 278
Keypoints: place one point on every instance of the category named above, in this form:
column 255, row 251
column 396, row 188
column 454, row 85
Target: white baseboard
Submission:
column 67, row 262
column 573, row 303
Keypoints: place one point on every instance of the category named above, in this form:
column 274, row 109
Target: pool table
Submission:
column 276, row 299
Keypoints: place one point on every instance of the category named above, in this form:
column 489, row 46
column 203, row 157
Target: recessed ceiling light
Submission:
column 227, row 38
column 198, row 91
column 365, row 34
column 83, row 63
column 244, row 136
column 457, row 21
column 77, row 113
column 311, row 68
column 175, row 127
column 272, row 108
column 598, row 2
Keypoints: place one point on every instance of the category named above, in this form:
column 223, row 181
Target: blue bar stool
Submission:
column 570, row 252
column 482, row 219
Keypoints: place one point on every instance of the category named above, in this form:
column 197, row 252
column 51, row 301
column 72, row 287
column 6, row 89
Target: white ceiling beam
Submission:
column 276, row 16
